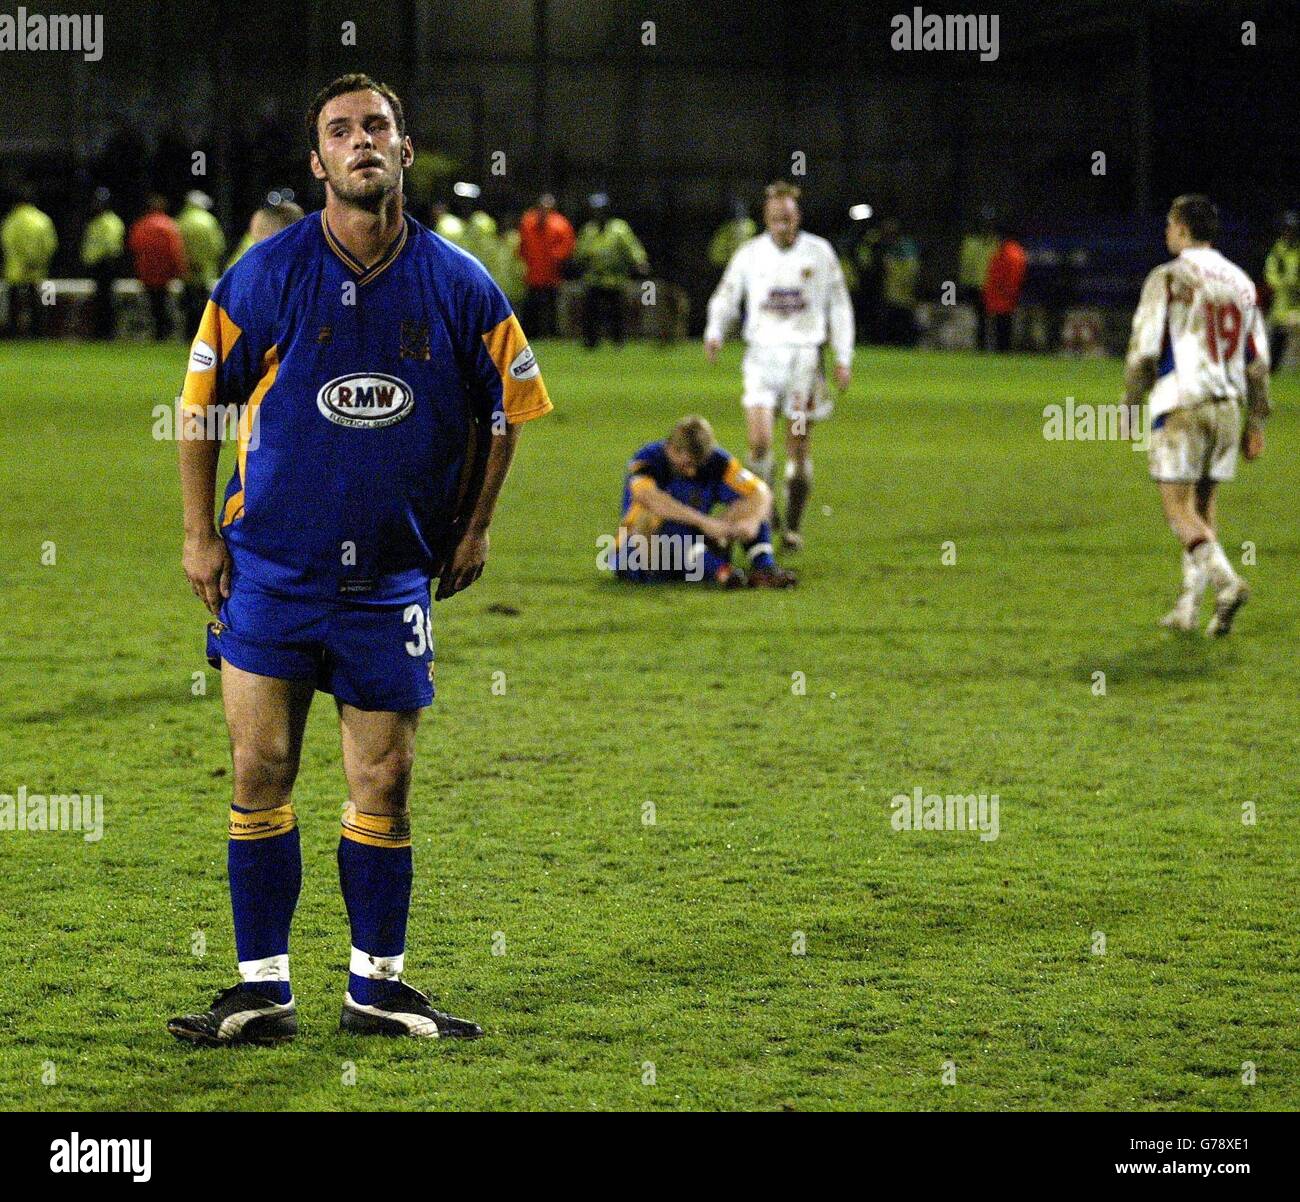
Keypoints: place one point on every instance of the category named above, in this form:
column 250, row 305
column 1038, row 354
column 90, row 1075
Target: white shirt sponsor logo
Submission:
column 365, row 401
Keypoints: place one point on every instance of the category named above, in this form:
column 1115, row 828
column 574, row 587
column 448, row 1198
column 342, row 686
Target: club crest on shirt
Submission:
column 414, row 339
column 365, row 400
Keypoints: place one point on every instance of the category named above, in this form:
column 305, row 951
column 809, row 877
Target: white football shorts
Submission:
column 1195, row 442
column 787, row 378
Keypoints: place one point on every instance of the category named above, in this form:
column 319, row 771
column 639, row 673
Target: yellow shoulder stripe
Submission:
column 247, row 427
column 211, row 348
column 739, row 478
column 523, row 395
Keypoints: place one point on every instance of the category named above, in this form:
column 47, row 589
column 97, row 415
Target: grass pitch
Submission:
column 623, row 963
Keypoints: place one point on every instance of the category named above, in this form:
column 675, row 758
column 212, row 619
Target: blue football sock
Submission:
column 375, row 871
column 264, row 861
column 759, row 548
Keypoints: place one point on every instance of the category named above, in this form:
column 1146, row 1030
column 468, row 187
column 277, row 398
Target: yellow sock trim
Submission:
column 376, row 830
column 262, row 824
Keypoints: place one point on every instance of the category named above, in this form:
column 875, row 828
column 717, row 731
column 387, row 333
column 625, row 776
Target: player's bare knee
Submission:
column 265, row 770
column 382, row 783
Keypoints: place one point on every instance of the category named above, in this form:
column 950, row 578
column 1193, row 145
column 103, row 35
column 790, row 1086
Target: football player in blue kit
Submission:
column 380, row 378
column 668, row 530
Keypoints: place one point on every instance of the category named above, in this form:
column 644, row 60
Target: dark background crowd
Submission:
column 1032, row 186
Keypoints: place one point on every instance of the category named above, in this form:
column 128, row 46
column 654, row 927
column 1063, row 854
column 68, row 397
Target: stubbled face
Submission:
column 361, row 155
column 781, row 216
column 682, row 462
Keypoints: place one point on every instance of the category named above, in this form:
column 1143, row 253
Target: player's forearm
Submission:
column 500, row 455
column 748, row 513
column 198, row 468
column 1139, row 376
column 722, row 313
column 1258, row 405
column 841, row 329
column 668, row 507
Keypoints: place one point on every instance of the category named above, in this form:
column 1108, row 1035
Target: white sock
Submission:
column 1194, row 579
column 1214, row 563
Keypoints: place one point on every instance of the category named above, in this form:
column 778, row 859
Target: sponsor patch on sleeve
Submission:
column 202, row 356
column 524, row 366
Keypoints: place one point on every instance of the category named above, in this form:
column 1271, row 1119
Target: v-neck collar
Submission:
column 363, row 273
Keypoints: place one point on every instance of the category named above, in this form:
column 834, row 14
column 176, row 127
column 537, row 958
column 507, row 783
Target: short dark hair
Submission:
column 357, row 81
column 1199, row 214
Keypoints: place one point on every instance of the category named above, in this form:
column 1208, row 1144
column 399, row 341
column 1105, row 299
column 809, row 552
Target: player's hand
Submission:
column 744, row 529
column 466, row 564
column 718, row 529
column 843, row 376
column 711, row 348
column 206, row 562
column 1252, row 442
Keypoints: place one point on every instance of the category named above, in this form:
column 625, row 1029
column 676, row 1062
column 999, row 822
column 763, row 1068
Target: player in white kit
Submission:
column 1199, row 354
column 795, row 300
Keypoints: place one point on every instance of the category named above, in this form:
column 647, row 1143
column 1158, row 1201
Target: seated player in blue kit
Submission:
column 668, row 531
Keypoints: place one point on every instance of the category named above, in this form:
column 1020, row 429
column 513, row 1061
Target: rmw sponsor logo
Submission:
column 364, row 400
column 78, row 1154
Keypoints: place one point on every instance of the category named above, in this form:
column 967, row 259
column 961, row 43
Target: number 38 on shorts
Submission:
column 372, row 656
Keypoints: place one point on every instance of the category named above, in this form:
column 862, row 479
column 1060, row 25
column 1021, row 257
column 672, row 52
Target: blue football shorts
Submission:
column 372, row 656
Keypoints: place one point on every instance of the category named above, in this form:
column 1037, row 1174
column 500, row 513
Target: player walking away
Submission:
column 381, row 377
column 669, row 493
column 794, row 294
column 1199, row 349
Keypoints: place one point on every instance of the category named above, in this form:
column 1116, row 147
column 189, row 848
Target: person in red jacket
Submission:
column 1003, row 280
column 159, row 255
column 546, row 242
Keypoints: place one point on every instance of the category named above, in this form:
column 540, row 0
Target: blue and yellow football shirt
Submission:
column 719, row 480
column 363, row 392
